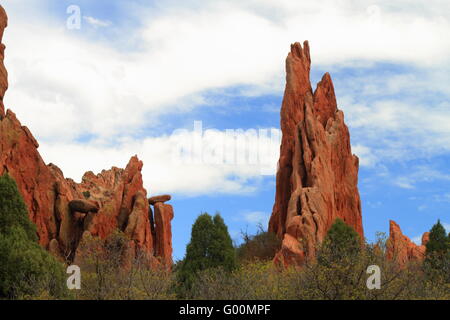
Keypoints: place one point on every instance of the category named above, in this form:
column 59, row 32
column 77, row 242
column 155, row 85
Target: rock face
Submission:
column 163, row 231
column 65, row 211
column 401, row 249
column 317, row 173
column 3, row 72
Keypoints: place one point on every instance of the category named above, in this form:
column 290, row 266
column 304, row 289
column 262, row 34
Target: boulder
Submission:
column 154, row 200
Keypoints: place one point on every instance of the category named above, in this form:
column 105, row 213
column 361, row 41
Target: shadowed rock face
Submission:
column 317, row 173
column 65, row 211
column 401, row 249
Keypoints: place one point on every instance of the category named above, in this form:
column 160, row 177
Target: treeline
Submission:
column 213, row 268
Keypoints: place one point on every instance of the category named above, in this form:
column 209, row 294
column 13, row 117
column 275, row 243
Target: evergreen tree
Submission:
column 210, row 247
column 222, row 251
column 437, row 258
column 26, row 269
column 341, row 242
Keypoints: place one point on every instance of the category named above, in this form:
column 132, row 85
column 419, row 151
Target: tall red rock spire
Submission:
column 317, row 174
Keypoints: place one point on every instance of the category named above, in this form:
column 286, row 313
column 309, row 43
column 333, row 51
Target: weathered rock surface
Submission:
column 65, row 211
column 3, row 72
column 317, row 173
column 156, row 199
column 401, row 249
column 163, row 231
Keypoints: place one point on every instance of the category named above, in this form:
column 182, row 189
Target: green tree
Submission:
column 341, row 241
column 210, row 247
column 437, row 258
column 26, row 269
column 222, row 251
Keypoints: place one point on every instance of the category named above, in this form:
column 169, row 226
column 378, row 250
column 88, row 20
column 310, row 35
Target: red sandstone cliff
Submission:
column 317, row 173
column 401, row 249
column 65, row 211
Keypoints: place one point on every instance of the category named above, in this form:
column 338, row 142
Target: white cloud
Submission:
column 420, row 174
column 64, row 86
column 187, row 51
column 365, row 155
column 257, row 217
column 417, row 240
column 97, row 22
column 404, row 183
column 164, row 171
column 253, row 217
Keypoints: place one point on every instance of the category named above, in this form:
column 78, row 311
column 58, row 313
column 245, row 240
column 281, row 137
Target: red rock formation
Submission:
column 3, row 72
column 317, row 173
column 163, row 231
column 401, row 249
column 65, row 211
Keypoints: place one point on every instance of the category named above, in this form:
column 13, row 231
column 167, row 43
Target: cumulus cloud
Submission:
column 183, row 162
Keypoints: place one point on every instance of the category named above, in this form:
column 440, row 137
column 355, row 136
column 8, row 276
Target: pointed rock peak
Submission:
column 401, row 249
column 3, row 21
column 301, row 53
column 325, row 105
column 298, row 66
column 393, row 226
column 134, row 163
column 326, row 83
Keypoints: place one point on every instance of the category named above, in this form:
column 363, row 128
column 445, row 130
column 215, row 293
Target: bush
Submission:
column 26, row 269
column 108, row 273
column 260, row 247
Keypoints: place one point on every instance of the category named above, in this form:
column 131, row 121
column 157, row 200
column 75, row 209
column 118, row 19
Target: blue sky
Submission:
column 137, row 71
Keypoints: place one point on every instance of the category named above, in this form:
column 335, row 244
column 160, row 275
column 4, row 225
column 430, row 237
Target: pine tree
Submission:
column 26, row 269
column 210, row 247
column 222, row 251
column 341, row 242
column 437, row 258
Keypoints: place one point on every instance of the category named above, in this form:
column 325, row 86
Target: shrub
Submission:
column 260, row 247
column 109, row 273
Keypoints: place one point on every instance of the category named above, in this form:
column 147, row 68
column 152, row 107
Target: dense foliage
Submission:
column 26, row 269
column 210, row 247
column 437, row 259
